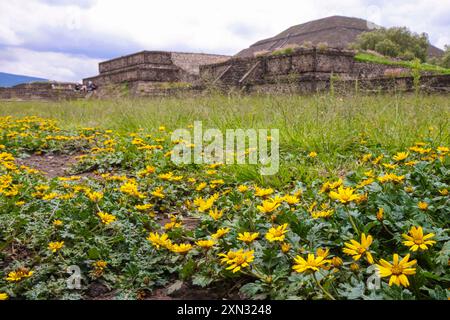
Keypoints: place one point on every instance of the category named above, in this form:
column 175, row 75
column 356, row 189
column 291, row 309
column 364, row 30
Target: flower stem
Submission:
column 353, row 223
column 323, row 289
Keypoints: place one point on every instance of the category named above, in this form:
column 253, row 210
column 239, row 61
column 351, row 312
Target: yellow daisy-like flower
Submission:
column 57, row 223
column 159, row 193
column 422, row 205
column 291, row 199
column 100, row 264
column 248, row 237
column 55, row 246
column 106, row 218
column 312, row 154
column 277, row 233
column 268, row 206
column 237, row 259
column 182, row 248
column 285, row 247
column 401, row 156
column 216, row 214
column 19, row 274
column 312, row 263
column 3, row 296
column 259, row 192
column 159, row 241
column 205, row 244
column 220, row 233
column 242, row 188
column 398, row 270
column 344, row 195
column 357, row 249
column 415, row 239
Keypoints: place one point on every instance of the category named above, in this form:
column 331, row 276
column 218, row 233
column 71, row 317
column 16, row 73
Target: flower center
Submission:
column 397, row 270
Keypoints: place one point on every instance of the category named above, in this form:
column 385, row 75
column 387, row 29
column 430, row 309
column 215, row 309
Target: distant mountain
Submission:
column 336, row 31
column 10, row 80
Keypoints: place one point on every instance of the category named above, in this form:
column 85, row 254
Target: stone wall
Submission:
column 41, row 91
column 271, row 68
column 153, row 66
column 312, row 70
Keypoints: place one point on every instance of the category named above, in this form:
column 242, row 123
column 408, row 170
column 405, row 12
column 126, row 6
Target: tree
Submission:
column 397, row 42
column 445, row 60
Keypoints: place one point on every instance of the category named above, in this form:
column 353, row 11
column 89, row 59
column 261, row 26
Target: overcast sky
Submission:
column 65, row 39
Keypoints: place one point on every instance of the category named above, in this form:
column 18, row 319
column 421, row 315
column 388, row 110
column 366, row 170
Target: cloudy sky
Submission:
column 65, row 39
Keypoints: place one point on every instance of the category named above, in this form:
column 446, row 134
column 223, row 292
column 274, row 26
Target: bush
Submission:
column 445, row 60
column 398, row 42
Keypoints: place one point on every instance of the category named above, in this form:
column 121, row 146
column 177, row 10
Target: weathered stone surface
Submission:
column 153, row 66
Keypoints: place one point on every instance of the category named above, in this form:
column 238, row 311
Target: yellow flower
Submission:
column 312, row 263
column 130, row 188
column 100, row 264
column 417, row 240
column 285, row 247
column 322, row 252
column 354, row 266
column 291, row 199
column 268, row 206
column 401, row 156
column 443, row 149
column 443, row 192
column 216, row 214
column 3, row 296
column 356, row 249
column 143, row 207
column 172, row 225
column 19, row 274
column 344, row 195
column 380, row 214
column 205, row 244
column 106, row 218
column 242, row 188
column 181, row 248
column 57, row 223
column 277, row 233
column 248, row 237
column 259, row 192
column 237, row 259
column 366, row 157
column 220, row 233
column 201, row 186
column 422, row 206
column 159, row 240
column 328, row 186
column 312, row 154
column 55, row 246
column 94, row 196
column 336, row 262
column 398, row 270
column 159, row 193
column 391, row 177
column 322, row 214
column 148, row 170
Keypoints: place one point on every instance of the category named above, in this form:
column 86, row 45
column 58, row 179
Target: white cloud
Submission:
column 47, row 65
column 103, row 29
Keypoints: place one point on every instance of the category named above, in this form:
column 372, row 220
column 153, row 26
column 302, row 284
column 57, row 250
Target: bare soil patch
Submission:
column 52, row 165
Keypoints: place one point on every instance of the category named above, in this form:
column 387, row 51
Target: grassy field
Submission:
column 332, row 127
column 358, row 210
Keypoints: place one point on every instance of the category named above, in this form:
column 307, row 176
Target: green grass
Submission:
column 367, row 57
column 333, row 127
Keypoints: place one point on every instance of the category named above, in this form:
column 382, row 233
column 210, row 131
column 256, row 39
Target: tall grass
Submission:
column 333, row 127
